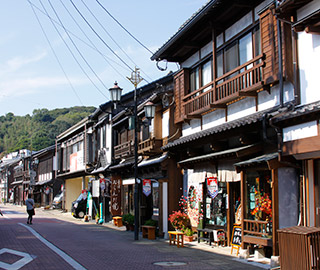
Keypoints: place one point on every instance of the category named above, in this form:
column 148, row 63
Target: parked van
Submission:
column 57, row 201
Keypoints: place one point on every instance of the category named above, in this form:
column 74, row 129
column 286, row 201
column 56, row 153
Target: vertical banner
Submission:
column 146, row 187
column 212, row 185
column 116, row 196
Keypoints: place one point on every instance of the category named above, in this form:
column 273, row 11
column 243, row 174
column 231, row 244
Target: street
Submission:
column 53, row 243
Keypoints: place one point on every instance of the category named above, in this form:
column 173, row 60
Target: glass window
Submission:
column 206, row 73
column 104, row 136
column 259, row 195
column 215, row 209
column 194, row 79
column 219, row 63
column 231, row 57
column 245, row 49
column 257, row 41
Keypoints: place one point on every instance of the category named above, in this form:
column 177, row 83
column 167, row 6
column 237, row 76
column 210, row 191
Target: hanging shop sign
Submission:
column 146, row 187
column 102, row 184
column 212, row 186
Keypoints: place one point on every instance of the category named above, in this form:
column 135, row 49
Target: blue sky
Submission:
column 30, row 75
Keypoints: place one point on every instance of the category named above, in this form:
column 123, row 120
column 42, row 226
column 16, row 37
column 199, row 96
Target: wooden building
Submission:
column 156, row 172
column 237, row 74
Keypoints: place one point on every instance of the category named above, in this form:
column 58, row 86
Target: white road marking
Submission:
column 26, row 258
column 63, row 255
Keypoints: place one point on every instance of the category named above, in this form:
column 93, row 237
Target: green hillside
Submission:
column 39, row 130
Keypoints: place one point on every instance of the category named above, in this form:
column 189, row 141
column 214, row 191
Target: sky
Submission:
column 64, row 53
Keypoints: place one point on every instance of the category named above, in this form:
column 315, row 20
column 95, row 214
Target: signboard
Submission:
column 212, row 186
column 116, row 196
column 236, row 238
column 146, row 187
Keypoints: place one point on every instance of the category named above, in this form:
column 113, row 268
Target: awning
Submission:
column 39, row 183
column 256, row 160
column 16, row 182
column 214, row 155
column 153, row 161
column 101, row 169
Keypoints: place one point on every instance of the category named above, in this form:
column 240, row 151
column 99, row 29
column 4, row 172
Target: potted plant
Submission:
column 128, row 221
column 188, row 235
column 151, row 222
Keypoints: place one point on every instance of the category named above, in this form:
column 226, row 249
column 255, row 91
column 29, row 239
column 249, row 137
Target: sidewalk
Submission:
column 66, row 216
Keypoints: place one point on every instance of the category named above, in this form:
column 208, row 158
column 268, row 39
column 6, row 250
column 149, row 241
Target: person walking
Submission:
column 30, row 208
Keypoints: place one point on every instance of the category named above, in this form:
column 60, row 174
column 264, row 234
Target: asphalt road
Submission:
column 55, row 243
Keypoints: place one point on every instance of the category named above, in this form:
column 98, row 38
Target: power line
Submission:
column 74, row 35
column 100, row 36
column 110, row 36
column 83, row 32
column 123, row 27
column 54, row 53
column 72, row 53
column 81, row 55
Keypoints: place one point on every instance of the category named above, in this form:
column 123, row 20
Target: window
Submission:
column 206, row 73
column 104, row 136
column 238, row 52
column 145, row 133
column 259, row 195
column 194, row 79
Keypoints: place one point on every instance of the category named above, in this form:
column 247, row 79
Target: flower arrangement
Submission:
column 190, row 206
column 263, row 204
column 179, row 220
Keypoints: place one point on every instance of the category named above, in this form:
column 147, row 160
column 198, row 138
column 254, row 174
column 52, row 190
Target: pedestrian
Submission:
column 30, row 208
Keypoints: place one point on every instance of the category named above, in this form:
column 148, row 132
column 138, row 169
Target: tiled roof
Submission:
column 298, row 111
column 251, row 119
column 201, row 10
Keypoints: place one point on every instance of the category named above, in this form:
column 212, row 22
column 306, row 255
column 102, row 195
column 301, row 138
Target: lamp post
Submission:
column 115, row 94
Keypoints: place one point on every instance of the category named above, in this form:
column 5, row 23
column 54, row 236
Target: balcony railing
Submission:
column 245, row 80
column 151, row 145
column 124, row 150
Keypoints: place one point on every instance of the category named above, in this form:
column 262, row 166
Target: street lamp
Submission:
column 115, row 94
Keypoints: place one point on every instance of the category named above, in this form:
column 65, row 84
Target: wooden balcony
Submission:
column 257, row 232
column 150, row 146
column 124, row 150
column 245, row 80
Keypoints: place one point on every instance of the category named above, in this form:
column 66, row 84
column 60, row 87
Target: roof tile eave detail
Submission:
column 221, row 128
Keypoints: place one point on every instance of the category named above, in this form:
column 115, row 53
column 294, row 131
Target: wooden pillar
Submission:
column 229, row 213
column 275, row 211
column 243, row 199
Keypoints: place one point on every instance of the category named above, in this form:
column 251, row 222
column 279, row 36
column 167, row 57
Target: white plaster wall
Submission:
column 213, row 119
column 300, row 131
column 309, row 59
column 109, row 142
column 266, row 100
column 241, row 108
column 193, row 127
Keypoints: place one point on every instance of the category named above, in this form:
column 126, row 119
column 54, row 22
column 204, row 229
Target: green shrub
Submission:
column 128, row 219
column 151, row 222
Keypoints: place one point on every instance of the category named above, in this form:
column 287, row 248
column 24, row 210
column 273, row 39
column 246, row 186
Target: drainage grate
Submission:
column 170, row 263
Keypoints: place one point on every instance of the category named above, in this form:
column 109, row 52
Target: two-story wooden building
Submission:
column 237, row 73
column 160, row 179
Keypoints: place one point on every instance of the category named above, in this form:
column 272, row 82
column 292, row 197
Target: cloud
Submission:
column 17, row 62
column 26, row 86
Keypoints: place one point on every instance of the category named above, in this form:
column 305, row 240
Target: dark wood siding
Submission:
column 181, row 85
column 269, row 44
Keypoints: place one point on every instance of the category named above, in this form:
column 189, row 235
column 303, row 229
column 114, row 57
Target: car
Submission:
column 57, row 201
column 79, row 207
